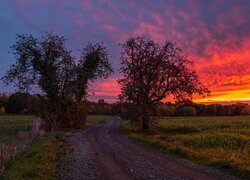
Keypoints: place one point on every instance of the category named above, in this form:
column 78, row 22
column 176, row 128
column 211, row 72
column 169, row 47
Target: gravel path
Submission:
column 103, row 152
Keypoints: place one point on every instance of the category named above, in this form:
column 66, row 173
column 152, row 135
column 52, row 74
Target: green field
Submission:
column 11, row 125
column 222, row 142
column 39, row 160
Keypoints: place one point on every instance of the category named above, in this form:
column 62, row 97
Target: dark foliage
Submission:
column 22, row 103
column 48, row 64
column 93, row 64
column 152, row 72
column 4, row 97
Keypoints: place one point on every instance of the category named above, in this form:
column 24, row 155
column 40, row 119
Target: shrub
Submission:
column 245, row 110
column 129, row 112
column 75, row 116
column 2, row 110
column 186, row 111
column 68, row 114
column 165, row 110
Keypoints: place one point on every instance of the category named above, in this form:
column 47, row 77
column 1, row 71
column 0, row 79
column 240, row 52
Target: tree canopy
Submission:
column 47, row 63
column 152, row 72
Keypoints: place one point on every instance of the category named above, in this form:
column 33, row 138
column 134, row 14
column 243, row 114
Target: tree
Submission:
column 165, row 110
column 4, row 98
column 152, row 72
column 19, row 102
column 186, row 111
column 2, row 110
column 48, row 64
column 93, row 64
column 246, row 110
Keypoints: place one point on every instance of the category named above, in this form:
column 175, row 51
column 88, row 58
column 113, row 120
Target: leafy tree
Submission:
column 2, row 103
column 93, row 64
column 4, row 97
column 245, row 110
column 186, row 111
column 128, row 112
column 48, row 64
column 152, row 72
column 2, row 110
column 238, row 107
column 165, row 110
column 19, row 102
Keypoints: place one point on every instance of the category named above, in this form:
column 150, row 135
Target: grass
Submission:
column 221, row 142
column 39, row 160
column 11, row 125
column 95, row 119
column 14, row 137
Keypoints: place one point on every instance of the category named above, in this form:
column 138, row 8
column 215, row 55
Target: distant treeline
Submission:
column 193, row 109
column 19, row 103
column 25, row 103
column 169, row 109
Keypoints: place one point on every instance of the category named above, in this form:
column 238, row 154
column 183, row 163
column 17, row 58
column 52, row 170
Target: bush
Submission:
column 129, row 112
column 2, row 110
column 23, row 103
column 186, row 111
column 67, row 115
column 165, row 110
column 245, row 110
column 75, row 115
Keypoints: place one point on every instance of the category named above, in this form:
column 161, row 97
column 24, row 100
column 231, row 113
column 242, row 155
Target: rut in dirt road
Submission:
column 102, row 152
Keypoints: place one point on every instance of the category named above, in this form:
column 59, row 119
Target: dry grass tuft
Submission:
column 9, row 152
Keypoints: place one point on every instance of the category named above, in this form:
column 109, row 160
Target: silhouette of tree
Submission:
column 3, row 99
column 49, row 65
column 22, row 103
column 152, row 72
column 164, row 110
column 186, row 111
column 245, row 110
column 93, row 64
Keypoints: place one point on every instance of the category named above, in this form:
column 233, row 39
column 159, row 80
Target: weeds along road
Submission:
column 102, row 152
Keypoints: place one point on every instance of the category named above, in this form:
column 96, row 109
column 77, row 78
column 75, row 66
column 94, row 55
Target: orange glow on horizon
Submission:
column 226, row 96
column 225, row 73
column 109, row 90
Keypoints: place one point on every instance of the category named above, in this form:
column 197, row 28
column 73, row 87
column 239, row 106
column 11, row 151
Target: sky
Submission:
column 214, row 33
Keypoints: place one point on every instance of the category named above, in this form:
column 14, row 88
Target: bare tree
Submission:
column 152, row 72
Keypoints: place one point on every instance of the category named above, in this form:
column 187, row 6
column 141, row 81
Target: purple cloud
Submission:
column 215, row 34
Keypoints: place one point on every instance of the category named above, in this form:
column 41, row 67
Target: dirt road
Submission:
column 103, row 152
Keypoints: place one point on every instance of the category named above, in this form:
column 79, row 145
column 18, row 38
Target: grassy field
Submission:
column 222, row 142
column 95, row 119
column 39, row 160
column 11, row 125
column 14, row 136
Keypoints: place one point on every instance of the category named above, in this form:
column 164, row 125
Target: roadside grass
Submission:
column 39, row 160
column 14, row 137
column 221, row 142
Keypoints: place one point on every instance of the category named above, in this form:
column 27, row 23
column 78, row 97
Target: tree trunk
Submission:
column 145, row 124
column 146, row 115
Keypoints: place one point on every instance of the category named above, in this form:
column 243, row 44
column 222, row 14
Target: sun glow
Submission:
column 225, row 96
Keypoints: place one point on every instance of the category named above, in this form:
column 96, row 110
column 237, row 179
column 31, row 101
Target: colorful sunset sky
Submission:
column 214, row 33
